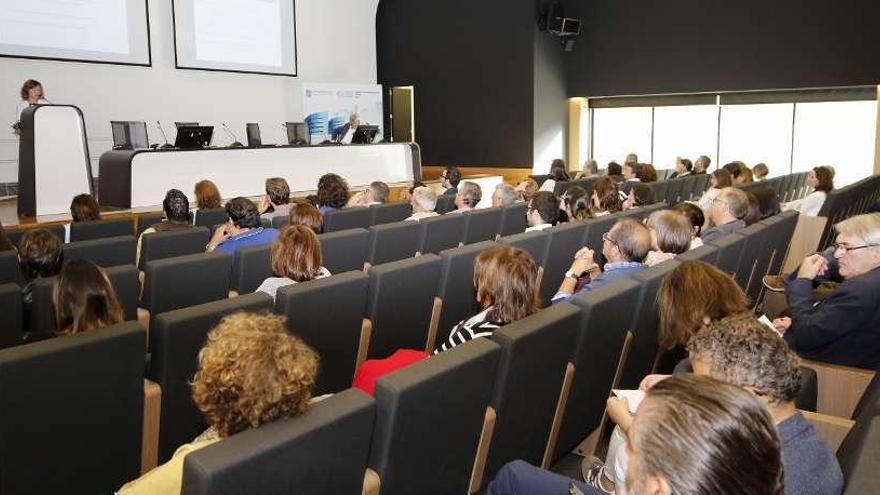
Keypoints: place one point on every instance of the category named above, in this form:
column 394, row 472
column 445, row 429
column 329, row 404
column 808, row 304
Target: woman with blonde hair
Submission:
column 252, row 371
column 295, row 257
column 84, row 299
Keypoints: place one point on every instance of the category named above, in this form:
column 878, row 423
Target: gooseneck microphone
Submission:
column 164, row 137
column 235, row 142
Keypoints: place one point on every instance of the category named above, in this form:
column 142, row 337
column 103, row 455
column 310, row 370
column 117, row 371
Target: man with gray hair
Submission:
column 376, row 194
column 423, row 201
column 504, row 195
column 701, row 165
column 726, row 213
column 843, row 328
column 468, row 196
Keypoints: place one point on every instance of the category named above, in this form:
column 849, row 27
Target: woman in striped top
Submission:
column 505, row 281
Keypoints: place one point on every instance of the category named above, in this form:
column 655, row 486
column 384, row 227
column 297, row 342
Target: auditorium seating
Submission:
column 348, row 218
column 534, row 243
column 147, row 220
column 107, row 251
column 99, row 229
column 596, row 228
column 176, row 337
column 455, row 288
column 10, row 272
column 428, row 421
column 730, row 252
column 340, row 335
column 481, row 225
column 15, row 234
column 209, row 218
column 707, row 253
column 389, row 213
column 513, row 219
column 846, row 202
column 563, row 242
column 445, row 203
column 163, row 245
column 392, row 242
column 439, row 233
column 323, row 450
column 73, row 412
column 11, row 309
column 250, row 267
column 183, row 281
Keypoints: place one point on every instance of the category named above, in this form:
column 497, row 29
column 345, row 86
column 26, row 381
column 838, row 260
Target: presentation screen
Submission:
column 107, row 31
column 236, row 35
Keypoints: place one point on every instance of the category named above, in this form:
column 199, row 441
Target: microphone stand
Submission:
column 235, row 142
column 166, row 145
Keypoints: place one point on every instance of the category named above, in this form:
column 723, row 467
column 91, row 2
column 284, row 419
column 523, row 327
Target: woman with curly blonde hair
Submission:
column 251, row 371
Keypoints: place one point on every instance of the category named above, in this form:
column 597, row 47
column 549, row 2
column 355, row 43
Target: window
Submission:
column 684, row 131
column 619, row 131
column 757, row 133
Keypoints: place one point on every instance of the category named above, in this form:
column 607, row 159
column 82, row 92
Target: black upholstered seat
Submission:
column 481, row 225
column 73, row 412
column 445, row 203
column 345, row 250
column 859, row 453
column 10, row 272
column 781, row 233
column 250, row 267
column 757, row 254
column 429, row 418
column 673, row 191
column 347, row 218
column 660, row 188
column 456, row 286
column 10, row 308
column 564, row 240
column 730, row 253
column 393, row 241
column 513, row 219
column 389, row 212
column 99, row 229
column 209, row 218
column 108, row 251
column 334, row 334
column 323, row 450
column 147, row 220
column 598, row 227
column 400, row 302
column 174, row 283
column 706, row 252
column 176, row 337
column 161, row 245
column 534, row 243
column 440, row 232
column 15, row 235
column 701, row 183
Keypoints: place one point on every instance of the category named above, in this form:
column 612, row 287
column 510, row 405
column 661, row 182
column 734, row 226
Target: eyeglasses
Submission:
column 846, row 249
column 606, row 237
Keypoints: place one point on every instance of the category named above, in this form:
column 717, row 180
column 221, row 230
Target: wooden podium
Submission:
column 53, row 159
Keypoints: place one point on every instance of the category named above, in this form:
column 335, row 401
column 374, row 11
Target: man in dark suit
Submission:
column 449, row 179
column 726, row 214
column 345, row 133
column 844, row 327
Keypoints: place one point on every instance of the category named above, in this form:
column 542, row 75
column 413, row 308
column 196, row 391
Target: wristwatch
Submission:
column 572, row 275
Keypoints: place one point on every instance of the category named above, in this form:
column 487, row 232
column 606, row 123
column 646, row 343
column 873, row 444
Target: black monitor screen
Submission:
column 253, row 135
column 297, row 133
column 194, row 137
column 365, row 134
column 129, row 134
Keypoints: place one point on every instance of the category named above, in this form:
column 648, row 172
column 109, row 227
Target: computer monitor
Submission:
column 365, row 134
column 297, row 133
column 185, row 124
column 253, row 135
column 193, row 137
column 129, row 134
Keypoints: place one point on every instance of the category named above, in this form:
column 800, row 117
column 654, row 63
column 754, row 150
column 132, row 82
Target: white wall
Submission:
column 336, row 42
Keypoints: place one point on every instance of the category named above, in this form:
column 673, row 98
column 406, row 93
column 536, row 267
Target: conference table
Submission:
column 141, row 177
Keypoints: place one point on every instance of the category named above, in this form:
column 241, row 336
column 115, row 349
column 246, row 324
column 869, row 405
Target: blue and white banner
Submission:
column 327, row 107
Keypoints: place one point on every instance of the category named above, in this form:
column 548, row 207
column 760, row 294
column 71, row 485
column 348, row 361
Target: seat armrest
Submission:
column 831, row 428
column 806, row 236
column 840, row 387
column 150, row 440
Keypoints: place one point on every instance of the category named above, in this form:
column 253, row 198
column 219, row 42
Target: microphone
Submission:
column 164, row 137
column 235, row 142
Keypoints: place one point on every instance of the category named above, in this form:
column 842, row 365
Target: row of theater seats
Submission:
column 533, row 391
column 848, row 201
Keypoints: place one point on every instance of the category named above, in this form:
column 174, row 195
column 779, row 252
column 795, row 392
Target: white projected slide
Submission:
column 236, row 35
column 112, row 31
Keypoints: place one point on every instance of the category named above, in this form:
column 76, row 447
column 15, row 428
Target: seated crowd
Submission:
column 725, row 422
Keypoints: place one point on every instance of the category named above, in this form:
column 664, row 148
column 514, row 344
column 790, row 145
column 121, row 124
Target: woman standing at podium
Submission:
column 31, row 94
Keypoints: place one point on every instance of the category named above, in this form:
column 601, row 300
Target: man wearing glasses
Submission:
column 844, row 327
column 449, row 179
column 726, row 214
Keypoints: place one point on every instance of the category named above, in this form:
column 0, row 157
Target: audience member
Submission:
column 734, row 168
column 671, row 235
column 630, row 171
column 332, row 193
column 449, row 179
column 718, row 180
column 39, row 256
column 295, row 257
column 760, row 171
column 606, row 197
column 753, row 209
column 207, row 195
column 406, row 194
column 726, row 214
column 423, row 202
column 768, row 201
column 505, row 282
column 591, row 169
column 745, row 175
column 5, row 243
column 683, row 167
column 695, row 216
column 543, row 211
column 558, row 173
column 252, row 371
column 467, row 197
column 376, row 194
column 276, row 201
column 504, row 195
column 822, row 182
column 526, row 189
column 639, row 195
column 701, row 166
column 624, row 246
column 631, row 158
column 84, row 299
column 845, row 327
column 575, row 203
column 304, row 213
column 175, row 209
column 614, row 171
column 690, row 435
column 242, row 229
column 646, row 172
column 83, row 208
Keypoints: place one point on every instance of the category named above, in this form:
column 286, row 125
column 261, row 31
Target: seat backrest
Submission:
column 706, row 252
column 174, row 283
column 390, row 212
column 428, row 420
column 279, row 221
column 125, row 282
column 161, row 245
column 393, row 241
column 598, row 227
column 688, row 184
column 660, row 188
column 323, row 450
column 560, row 187
column 335, row 335
column 534, row 243
column 10, row 272
column 209, row 218
column 673, row 192
column 72, row 412
column 347, row 218
column 481, row 225
column 606, row 316
column 642, row 212
column 84, row 231
column 513, row 219
column 108, row 251
column 176, row 337
column 870, row 400
column 535, row 353
column 757, row 249
column 788, row 186
column 250, row 267
column 147, row 220
column 15, row 235
column 440, row 232
column 445, row 203
column 400, row 302
column 730, row 252
column 345, row 250
column 701, row 183
column 456, row 286
column 10, row 308
column 564, row 240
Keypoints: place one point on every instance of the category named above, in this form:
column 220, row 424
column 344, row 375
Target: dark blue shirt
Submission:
column 253, row 237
